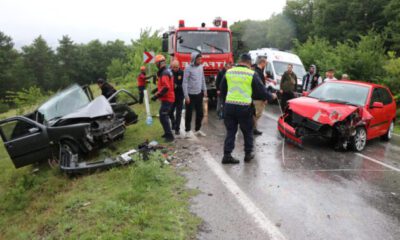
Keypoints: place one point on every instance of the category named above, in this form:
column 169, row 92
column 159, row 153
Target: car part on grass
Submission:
column 71, row 164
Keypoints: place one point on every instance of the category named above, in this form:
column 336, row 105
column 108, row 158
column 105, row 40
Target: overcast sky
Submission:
column 85, row 20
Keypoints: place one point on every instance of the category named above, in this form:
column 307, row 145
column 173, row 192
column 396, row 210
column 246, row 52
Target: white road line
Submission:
column 271, row 116
column 378, row 162
column 263, row 222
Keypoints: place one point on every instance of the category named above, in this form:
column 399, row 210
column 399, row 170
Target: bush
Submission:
column 26, row 98
column 4, row 107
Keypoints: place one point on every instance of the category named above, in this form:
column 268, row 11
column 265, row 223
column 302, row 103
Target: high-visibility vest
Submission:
column 239, row 81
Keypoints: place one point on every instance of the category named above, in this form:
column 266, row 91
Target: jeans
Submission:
column 196, row 102
column 164, row 118
column 141, row 94
column 234, row 116
column 176, row 113
column 286, row 96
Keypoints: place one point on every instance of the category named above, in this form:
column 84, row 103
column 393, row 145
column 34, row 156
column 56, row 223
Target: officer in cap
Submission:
column 239, row 87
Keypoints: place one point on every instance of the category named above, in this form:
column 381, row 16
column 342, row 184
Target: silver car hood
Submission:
column 99, row 107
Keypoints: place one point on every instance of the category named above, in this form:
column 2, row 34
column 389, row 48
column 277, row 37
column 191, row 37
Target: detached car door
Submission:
column 26, row 141
column 121, row 102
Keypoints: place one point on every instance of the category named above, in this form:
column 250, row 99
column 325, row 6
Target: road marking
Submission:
column 263, row 222
column 378, row 162
column 271, row 116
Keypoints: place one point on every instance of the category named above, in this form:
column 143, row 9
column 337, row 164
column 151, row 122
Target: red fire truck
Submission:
column 214, row 43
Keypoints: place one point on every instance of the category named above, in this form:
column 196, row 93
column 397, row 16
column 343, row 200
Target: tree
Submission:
column 342, row 20
column 8, row 57
column 280, row 32
column 67, row 62
column 392, row 13
column 39, row 60
column 301, row 14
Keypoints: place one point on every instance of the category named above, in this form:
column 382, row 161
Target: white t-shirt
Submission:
column 330, row 79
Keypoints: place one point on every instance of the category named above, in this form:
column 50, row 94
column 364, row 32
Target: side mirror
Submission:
column 305, row 94
column 33, row 130
column 377, row 105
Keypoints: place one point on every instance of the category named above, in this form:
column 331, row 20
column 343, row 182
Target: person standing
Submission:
column 330, row 75
column 165, row 92
column 220, row 76
column 194, row 89
column 176, row 111
column 288, row 86
column 259, row 102
column 107, row 90
column 345, row 77
column 238, row 87
column 142, row 82
column 311, row 79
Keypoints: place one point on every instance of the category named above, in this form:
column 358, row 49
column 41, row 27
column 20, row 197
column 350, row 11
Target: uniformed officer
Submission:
column 239, row 86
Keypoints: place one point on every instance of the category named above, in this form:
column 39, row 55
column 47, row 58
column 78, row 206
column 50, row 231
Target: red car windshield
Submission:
column 338, row 92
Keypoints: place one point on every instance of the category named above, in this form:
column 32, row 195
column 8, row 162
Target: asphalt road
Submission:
column 292, row 193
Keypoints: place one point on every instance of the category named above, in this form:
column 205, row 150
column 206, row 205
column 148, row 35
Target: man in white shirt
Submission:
column 330, row 75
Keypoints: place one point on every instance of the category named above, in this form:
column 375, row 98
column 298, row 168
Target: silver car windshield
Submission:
column 338, row 92
column 64, row 102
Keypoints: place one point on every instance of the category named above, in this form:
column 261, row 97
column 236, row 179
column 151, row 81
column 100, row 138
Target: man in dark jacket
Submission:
column 220, row 76
column 311, row 79
column 288, row 86
column 176, row 110
column 259, row 103
column 165, row 92
column 106, row 89
column 238, row 87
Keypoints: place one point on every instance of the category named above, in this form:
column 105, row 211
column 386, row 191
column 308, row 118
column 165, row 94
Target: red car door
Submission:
column 389, row 109
column 378, row 121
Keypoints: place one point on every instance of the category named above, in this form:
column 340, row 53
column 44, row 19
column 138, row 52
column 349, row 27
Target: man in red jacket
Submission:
column 165, row 92
column 142, row 82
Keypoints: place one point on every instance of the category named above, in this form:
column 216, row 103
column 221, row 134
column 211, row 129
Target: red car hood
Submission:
column 322, row 112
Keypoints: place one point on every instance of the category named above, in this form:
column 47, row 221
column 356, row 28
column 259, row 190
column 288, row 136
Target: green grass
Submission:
column 146, row 200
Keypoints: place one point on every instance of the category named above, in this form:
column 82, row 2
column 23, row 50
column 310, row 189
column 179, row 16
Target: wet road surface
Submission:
column 309, row 193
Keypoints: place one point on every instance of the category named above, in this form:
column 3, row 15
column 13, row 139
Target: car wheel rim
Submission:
column 361, row 139
column 391, row 129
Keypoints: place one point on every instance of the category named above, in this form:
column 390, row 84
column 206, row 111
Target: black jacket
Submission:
column 178, row 79
column 260, row 73
column 307, row 81
column 107, row 90
column 258, row 88
column 220, row 76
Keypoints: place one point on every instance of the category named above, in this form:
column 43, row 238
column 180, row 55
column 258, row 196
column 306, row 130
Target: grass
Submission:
column 146, row 200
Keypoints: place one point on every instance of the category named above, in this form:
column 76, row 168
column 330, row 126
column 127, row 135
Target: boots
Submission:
column 228, row 159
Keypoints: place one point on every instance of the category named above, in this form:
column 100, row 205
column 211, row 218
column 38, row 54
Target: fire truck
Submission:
column 214, row 43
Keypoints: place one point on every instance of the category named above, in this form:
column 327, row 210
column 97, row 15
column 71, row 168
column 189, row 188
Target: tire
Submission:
column 389, row 134
column 359, row 141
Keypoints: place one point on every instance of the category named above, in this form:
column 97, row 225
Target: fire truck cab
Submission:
column 214, row 43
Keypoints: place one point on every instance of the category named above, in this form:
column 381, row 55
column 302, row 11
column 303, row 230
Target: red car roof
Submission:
column 361, row 83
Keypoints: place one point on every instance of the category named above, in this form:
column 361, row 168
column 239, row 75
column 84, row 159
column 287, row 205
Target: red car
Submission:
column 347, row 112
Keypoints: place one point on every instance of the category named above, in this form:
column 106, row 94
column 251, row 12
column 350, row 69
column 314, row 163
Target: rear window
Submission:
column 385, row 96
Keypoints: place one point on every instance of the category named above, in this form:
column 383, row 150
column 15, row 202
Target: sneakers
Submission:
column 228, row 159
column 169, row 138
column 200, row 133
column 188, row 134
column 248, row 157
column 256, row 132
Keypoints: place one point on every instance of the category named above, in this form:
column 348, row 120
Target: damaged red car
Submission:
column 349, row 113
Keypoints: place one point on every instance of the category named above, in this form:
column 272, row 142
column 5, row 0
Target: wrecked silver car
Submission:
column 67, row 127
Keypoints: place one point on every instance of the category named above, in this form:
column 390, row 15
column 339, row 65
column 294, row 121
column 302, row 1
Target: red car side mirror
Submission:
column 377, row 105
column 305, row 94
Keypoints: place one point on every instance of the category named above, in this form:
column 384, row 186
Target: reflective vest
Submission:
column 239, row 81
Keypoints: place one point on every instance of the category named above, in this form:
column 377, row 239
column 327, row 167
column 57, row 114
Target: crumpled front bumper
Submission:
column 288, row 132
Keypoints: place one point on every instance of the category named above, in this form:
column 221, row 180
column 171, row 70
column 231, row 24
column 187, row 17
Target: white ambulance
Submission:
column 277, row 64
